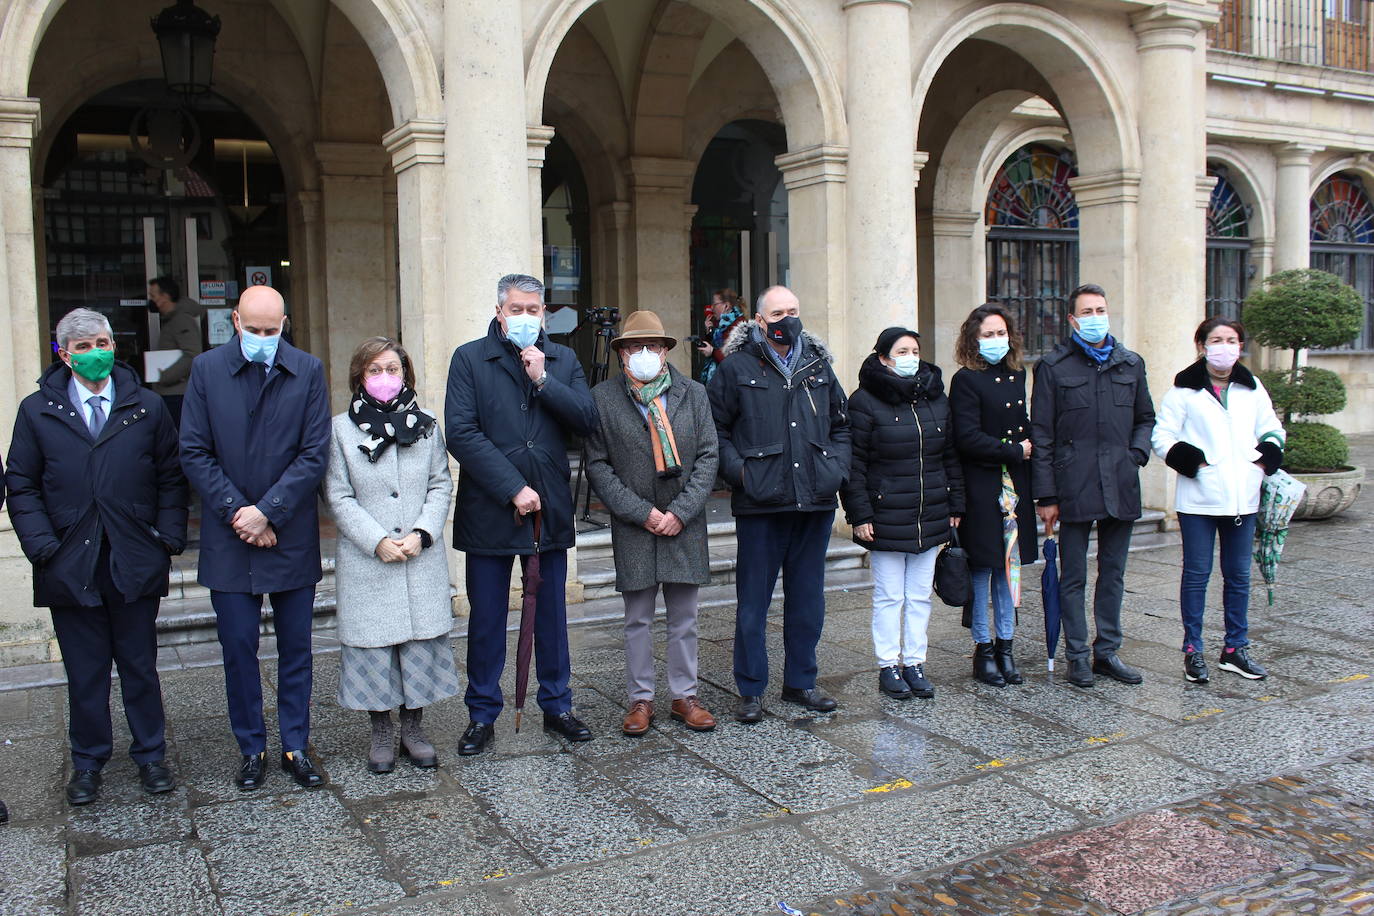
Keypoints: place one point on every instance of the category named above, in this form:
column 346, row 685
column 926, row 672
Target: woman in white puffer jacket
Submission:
column 1217, row 428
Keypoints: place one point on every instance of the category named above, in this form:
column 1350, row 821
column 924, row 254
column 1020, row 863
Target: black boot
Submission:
column 985, row 665
column 1006, row 664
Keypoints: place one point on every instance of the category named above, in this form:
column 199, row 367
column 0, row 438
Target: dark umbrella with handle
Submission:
column 524, row 648
column 1049, row 596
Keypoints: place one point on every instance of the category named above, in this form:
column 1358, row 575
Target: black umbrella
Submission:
column 529, row 583
column 1049, row 595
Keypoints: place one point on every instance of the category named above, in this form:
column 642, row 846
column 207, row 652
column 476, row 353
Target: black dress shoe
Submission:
column 749, row 710
column 1080, row 674
column 567, row 725
column 84, row 787
column 301, row 769
column 156, row 778
column 815, row 698
column 1116, row 669
column 476, row 738
column 252, row 772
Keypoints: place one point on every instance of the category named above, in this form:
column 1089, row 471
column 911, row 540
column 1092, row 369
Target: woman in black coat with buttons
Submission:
column 992, row 430
column 904, row 495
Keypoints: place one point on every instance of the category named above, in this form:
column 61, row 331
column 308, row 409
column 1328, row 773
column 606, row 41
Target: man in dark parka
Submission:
column 98, row 503
column 1091, row 419
column 513, row 396
column 255, row 444
column 783, row 424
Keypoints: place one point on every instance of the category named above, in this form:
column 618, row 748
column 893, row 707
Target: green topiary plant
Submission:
column 1296, row 310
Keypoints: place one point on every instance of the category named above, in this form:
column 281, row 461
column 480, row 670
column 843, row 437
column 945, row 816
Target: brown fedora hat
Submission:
column 643, row 325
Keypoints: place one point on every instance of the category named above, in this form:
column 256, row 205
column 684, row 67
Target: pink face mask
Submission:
column 383, row 387
column 1222, row 356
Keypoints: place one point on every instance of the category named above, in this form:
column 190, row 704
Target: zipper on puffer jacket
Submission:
column 920, row 475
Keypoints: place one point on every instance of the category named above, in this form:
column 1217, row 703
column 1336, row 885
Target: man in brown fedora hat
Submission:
column 652, row 461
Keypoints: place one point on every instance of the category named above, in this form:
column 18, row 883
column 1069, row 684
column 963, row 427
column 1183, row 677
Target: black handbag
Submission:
column 953, row 583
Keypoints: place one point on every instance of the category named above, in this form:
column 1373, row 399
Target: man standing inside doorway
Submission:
column 1091, row 419
column 180, row 330
column 783, row 424
column 513, row 397
column 255, row 444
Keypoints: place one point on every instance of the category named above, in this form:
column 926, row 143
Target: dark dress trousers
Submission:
column 506, row 435
column 100, row 517
column 262, row 439
column 1090, row 429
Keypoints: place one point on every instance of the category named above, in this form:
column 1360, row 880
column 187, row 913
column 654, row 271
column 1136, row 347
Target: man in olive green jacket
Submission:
column 180, row 323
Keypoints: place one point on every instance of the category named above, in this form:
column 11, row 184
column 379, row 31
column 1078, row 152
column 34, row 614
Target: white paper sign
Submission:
column 157, row 361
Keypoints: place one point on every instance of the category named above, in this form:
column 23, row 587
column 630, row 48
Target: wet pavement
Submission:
column 1233, row 797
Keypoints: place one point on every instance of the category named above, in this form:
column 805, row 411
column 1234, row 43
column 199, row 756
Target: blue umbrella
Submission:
column 1049, row 596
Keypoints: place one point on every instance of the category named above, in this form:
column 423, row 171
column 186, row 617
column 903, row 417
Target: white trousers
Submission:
column 901, row 605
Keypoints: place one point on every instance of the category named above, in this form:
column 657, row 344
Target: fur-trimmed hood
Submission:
column 1196, row 377
column 741, row 337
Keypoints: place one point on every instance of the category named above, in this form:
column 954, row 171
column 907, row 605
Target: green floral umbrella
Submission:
column 1279, row 497
column 1007, row 499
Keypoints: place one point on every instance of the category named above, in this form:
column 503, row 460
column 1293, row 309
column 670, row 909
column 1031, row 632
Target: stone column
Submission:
column 880, row 213
column 25, row 631
column 537, row 141
column 1171, row 259
column 958, row 269
column 611, row 268
column 815, row 182
column 659, row 277
column 417, row 157
column 355, row 304
column 486, row 193
column 1292, row 206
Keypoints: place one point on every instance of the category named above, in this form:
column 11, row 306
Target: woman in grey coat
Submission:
column 652, row 461
column 388, row 488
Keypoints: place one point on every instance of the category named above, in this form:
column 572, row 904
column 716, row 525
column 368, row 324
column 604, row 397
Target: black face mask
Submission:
column 784, row 332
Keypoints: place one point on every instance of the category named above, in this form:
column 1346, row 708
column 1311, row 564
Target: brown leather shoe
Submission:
column 692, row 714
column 639, row 718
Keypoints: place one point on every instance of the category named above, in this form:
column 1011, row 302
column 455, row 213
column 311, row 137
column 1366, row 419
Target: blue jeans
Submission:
column 1237, row 536
column 1004, row 612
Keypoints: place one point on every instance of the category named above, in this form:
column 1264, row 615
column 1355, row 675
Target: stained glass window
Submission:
column 1031, row 191
column 1227, row 215
column 1341, row 212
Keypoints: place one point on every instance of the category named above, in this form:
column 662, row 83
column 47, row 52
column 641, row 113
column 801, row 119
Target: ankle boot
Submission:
column 382, row 756
column 985, row 665
column 1006, row 663
column 414, row 744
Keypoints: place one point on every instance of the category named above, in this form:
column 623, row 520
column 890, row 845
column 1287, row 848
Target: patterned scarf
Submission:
column 650, row 394
column 400, row 421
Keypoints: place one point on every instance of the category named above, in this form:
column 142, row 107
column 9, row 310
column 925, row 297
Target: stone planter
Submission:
column 1329, row 494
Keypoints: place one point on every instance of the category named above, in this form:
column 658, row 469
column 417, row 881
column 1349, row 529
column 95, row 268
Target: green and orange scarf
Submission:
column 651, row 395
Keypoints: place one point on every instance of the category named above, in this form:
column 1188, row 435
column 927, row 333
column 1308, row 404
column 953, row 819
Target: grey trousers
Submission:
column 1113, row 543
column 681, row 603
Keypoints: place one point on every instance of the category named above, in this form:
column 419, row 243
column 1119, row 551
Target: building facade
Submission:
column 382, row 162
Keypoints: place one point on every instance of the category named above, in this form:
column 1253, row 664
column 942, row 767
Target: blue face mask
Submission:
column 1093, row 328
column 906, row 365
column 259, row 349
column 993, row 349
column 522, row 330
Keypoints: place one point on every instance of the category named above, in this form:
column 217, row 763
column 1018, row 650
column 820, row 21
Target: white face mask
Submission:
column 523, row 330
column 1222, row 356
column 906, row 364
column 644, row 365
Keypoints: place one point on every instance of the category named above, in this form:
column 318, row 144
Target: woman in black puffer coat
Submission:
column 905, row 492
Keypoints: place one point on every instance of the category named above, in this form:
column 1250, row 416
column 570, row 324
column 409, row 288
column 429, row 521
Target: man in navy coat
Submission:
column 98, row 502
column 254, row 443
column 513, row 396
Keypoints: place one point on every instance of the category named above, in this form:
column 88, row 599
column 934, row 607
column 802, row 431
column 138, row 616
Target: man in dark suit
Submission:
column 98, row 502
column 513, row 395
column 255, row 443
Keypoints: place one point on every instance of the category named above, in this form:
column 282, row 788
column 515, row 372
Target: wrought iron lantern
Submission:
column 186, row 35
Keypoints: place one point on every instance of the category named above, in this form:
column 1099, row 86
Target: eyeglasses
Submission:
column 636, row 347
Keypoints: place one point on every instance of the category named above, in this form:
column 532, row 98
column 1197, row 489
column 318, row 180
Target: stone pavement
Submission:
column 1232, row 797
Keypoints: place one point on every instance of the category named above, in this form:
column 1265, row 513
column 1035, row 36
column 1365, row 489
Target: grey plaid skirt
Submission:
column 413, row 674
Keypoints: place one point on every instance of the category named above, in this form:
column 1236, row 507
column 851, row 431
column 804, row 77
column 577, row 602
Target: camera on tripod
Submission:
column 603, row 316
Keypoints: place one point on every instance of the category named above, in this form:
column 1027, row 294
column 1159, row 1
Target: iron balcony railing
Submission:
column 1324, row 33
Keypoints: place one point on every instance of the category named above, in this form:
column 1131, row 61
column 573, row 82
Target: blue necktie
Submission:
column 97, row 415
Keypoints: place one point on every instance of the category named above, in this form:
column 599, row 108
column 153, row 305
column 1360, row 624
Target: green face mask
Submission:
column 94, row 365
